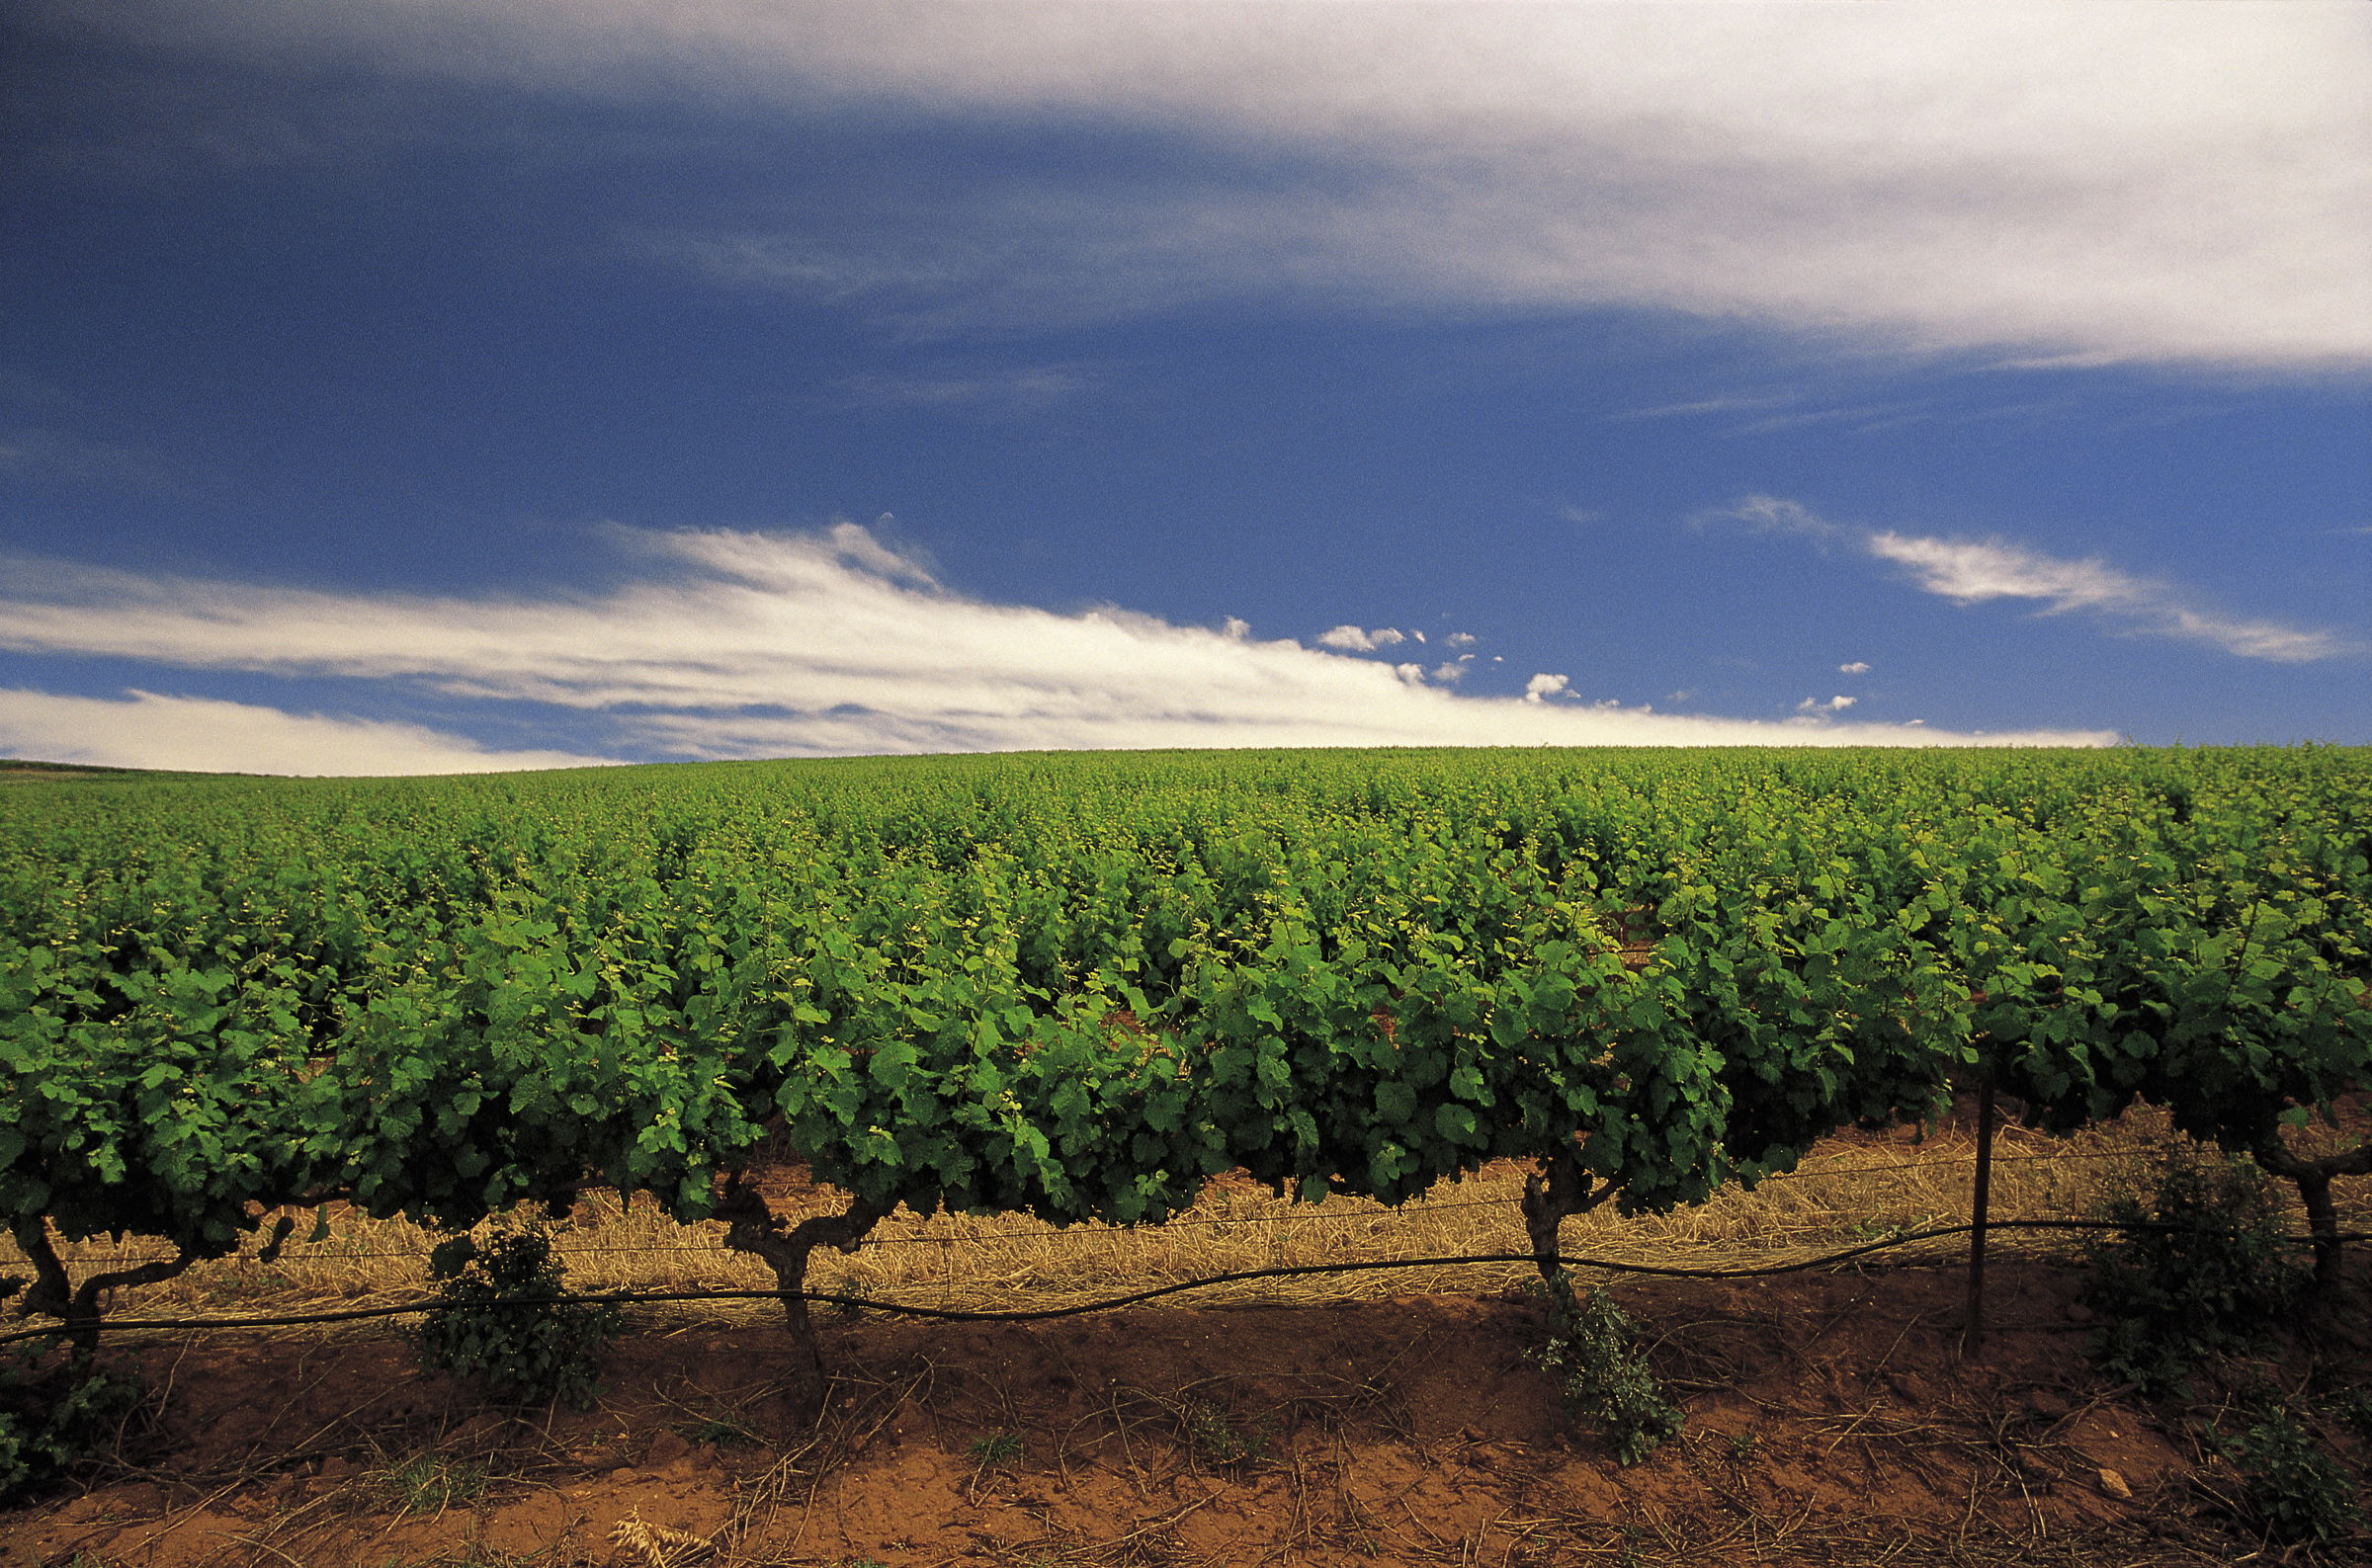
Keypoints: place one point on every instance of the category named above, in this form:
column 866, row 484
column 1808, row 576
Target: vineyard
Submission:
column 1080, row 987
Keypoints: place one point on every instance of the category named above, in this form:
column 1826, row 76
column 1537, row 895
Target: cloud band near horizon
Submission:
column 747, row 644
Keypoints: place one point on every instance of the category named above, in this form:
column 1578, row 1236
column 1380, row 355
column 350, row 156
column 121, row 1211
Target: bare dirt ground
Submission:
column 1832, row 1421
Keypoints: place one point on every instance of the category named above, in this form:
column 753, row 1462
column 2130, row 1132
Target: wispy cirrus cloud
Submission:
column 1977, row 571
column 735, row 643
column 1770, row 513
column 1974, row 571
column 2045, row 185
column 1723, row 404
column 1020, row 389
column 1798, row 408
column 818, row 270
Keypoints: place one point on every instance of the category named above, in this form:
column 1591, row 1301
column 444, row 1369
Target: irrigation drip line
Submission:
column 67, row 1326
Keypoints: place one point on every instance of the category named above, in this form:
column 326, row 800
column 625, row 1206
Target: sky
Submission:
column 448, row 386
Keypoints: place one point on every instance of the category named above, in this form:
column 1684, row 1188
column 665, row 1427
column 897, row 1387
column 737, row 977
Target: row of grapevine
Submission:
column 1078, row 986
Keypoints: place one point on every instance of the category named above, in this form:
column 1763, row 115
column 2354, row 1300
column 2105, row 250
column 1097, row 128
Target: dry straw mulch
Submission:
column 1851, row 1190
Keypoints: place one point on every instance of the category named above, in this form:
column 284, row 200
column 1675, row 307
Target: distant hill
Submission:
column 24, row 769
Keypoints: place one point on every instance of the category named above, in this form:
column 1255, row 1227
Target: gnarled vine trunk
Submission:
column 755, row 1229
column 1560, row 1188
column 2312, row 1179
column 54, row 1292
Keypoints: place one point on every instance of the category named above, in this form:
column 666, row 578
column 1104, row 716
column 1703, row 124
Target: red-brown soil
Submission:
column 1831, row 1421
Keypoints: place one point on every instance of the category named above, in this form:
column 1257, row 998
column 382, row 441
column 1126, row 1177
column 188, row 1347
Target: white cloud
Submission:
column 1769, row 514
column 998, row 392
column 1797, row 409
column 1973, row 571
column 1865, row 416
column 1452, row 673
column 1835, row 705
column 757, row 644
column 1858, row 667
column 1726, row 403
column 203, row 735
column 1460, row 640
column 813, row 270
column 2061, row 185
column 1351, row 639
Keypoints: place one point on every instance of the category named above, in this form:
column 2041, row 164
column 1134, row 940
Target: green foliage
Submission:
column 488, row 1324
column 57, row 1414
column 2201, row 1267
column 995, row 1447
column 719, row 1431
column 1592, row 1352
column 430, row 1483
column 2291, row 1487
column 1218, row 1436
column 2353, row 1406
column 1078, row 986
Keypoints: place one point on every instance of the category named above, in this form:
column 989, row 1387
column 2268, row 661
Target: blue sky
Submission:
column 424, row 386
